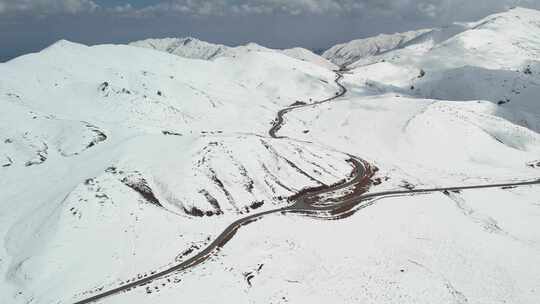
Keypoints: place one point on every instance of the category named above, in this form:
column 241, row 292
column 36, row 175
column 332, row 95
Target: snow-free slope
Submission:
column 198, row 49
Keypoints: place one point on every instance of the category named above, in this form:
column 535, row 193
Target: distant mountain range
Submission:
column 197, row 49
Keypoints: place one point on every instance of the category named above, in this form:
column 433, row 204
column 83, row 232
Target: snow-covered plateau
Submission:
column 175, row 170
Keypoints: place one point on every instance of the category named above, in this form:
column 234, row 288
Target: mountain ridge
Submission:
column 190, row 47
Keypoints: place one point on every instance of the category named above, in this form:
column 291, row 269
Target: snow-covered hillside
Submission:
column 197, row 49
column 111, row 152
column 347, row 53
column 119, row 162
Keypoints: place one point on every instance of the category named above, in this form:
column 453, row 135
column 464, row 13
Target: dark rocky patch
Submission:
column 112, row 170
column 248, row 276
column 103, row 86
column 256, row 205
column 41, row 157
column 9, row 163
column 219, row 183
column 405, row 184
column 194, row 211
column 13, row 95
column 501, row 102
column 140, row 185
column 534, row 164
column 213, row 201
column 99, row 137
column 171, row 133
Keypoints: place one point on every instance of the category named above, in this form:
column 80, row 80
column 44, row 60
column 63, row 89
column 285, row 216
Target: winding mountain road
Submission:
column 278, row 123
column 340, row 200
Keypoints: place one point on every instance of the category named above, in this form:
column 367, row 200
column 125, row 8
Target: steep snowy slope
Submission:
column 495, row 59
column 498, row 61
column 197, row 49
column 347, row 53
column 117, row 159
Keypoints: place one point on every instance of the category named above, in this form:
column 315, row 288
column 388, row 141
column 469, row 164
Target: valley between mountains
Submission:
column 400, row 169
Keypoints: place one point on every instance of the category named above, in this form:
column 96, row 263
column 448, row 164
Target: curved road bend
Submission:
column 350, row 205
column 361, row 176
column 304, row 203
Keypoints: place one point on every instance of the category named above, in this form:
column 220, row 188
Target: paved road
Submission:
column 280, row 120
column 342, row 200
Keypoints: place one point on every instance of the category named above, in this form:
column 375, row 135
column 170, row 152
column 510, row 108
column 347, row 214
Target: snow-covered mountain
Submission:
column 119, row 162
column 198, row 49
column 495, row 59
column 185, row 47
column 347, row 53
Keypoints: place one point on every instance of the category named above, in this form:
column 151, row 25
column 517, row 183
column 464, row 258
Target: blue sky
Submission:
column 31, row 25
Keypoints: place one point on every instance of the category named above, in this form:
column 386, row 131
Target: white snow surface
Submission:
column 87, row 133
column 347, row 53
column 197, row 49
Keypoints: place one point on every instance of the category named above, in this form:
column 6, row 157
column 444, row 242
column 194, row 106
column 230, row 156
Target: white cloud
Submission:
column 44, row 7
column 246, row 7
column 441, row 10
column 445, row 9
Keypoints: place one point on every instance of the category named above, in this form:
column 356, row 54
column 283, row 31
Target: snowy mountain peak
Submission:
column 504, row 39
column 501, row 41
column 64, row 44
